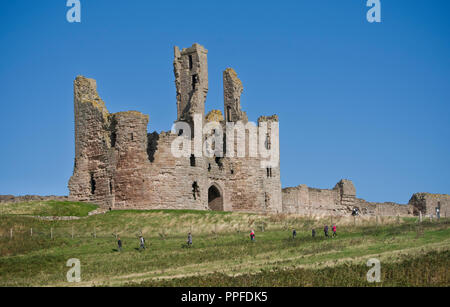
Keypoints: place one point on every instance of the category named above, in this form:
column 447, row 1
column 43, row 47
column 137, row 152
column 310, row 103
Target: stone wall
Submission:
column 339, row 201
column 119, row 165
column 303, row 200
column 383, row 209
column 232, row 90
column 191, row 81
column 427, row 204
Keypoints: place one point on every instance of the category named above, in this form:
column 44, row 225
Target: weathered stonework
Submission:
column 119, row 165
column 339, row 201
column 427, row 204
column 232, row 91
column 191, row 81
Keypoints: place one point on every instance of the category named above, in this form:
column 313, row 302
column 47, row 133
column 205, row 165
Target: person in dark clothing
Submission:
column 325, row 230
column 313, row 233
column 189, row 240
column 294, row 233
column 119, row 244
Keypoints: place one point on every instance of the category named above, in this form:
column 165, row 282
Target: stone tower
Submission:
column 232, row 90
column 119, row 165
column 347, row 192
column 191, row 81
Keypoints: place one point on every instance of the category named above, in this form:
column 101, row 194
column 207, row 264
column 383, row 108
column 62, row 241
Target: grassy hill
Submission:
column 222, row 254
column 47, row 208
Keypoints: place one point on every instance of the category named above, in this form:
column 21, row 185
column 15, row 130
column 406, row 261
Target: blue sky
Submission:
column 367, row 102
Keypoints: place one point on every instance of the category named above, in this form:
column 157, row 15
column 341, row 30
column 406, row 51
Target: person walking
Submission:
column 252, row 236
column 189, row 240
column 119, row 244
column 325, row 230
column 294, row 234
column 313, row 233
column 141, row 243
column 334, row 230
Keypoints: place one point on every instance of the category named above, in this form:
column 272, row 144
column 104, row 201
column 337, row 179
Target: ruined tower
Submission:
column 191, row 81
column 110, row 150
column 232, row 91
column 119, row 165
column 92, row 142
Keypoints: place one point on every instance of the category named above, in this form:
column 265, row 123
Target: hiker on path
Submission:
column 325, row 230
column 252, row 236
column 119, row 244
column 294, row 233
column 334, row 230
column 313, row 233
column 189, row 240
column 141, row 243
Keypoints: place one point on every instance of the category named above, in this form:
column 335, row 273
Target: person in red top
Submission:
column 334, row 231
column 252, row 235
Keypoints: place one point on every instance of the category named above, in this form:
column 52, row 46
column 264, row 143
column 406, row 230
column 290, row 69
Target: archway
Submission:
column 215, row 199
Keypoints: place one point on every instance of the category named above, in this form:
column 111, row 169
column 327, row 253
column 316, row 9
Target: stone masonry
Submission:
column 427, row 203
column 119, row 165
column 341, row 200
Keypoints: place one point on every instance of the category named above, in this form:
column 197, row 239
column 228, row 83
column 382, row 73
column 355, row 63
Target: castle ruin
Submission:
column 119, row 165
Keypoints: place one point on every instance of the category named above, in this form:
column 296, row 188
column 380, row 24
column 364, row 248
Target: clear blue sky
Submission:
column 367, row 102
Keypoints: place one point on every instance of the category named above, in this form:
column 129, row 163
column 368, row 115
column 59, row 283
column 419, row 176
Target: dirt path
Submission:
column 230, row 268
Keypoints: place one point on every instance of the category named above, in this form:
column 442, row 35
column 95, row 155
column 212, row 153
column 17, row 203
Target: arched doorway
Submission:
column 215, row 199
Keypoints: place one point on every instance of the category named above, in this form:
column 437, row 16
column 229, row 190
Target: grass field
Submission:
column 47, row 208
column 34, row 252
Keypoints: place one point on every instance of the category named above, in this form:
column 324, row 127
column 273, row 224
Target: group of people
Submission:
column 142, row 242
column 333, row 228
column 252, row 237
column 325, row 230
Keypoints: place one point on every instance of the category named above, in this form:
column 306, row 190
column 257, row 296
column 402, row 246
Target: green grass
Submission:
column 222, row 254
column 430, row 269
column 47, row 208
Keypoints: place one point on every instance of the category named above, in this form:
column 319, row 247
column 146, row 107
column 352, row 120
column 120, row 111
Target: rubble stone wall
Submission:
column 339, row 201
column 427, row 204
